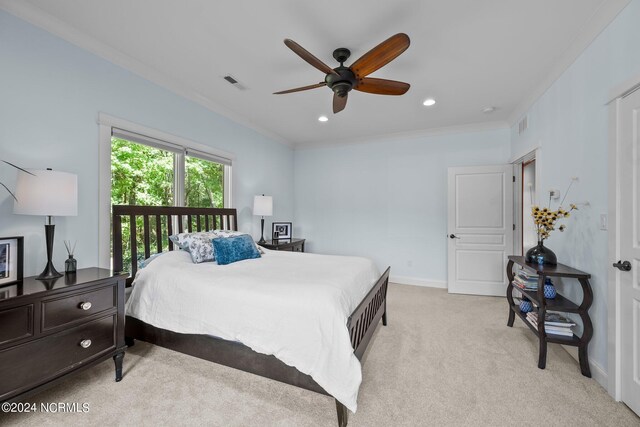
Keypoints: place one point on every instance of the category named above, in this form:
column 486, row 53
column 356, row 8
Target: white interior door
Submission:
column 480, row 228
column 630, row 250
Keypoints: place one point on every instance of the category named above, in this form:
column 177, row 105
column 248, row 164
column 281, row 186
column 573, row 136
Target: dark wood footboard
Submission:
column 364, row 319
column 363, row 323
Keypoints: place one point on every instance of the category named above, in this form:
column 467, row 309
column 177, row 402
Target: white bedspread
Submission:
column 292, row 305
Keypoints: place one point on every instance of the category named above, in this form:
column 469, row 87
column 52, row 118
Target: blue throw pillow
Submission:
column 236, row 248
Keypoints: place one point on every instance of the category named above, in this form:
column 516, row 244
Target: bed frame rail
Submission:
column 166, row 221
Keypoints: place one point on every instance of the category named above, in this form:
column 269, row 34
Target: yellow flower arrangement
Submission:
column 545, row 219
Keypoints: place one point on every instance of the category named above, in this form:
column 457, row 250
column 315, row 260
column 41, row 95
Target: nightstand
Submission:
column 293, row 245
column 53, row 328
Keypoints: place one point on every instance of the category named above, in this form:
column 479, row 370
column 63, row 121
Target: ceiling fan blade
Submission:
column 380, row 55
column 382, row 86
column 339, row 102
column 298, row 89
column 307, row 56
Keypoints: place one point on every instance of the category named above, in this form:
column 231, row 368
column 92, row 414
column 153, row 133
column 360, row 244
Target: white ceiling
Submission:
column 467, row 54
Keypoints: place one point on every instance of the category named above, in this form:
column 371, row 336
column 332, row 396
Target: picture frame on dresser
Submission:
column 11, row 260
column 283, row 229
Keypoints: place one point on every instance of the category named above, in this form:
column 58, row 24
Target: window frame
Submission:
column 111, row 126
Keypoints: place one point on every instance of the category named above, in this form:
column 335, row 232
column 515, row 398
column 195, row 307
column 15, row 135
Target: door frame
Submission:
column 533, row 154
column 613, row 226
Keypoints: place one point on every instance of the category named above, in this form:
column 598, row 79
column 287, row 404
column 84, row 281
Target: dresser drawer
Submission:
column 72, row 308
column 16, row 323
column 51, row 356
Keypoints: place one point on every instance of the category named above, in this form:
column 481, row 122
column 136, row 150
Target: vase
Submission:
column 549, row 289
column 70, row 265
column 525, row 305
column 540, row 254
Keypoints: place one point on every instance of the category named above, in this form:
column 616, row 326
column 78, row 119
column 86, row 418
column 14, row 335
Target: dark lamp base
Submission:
column 49, row 272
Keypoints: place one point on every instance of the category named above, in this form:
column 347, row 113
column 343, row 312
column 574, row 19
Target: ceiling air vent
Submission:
column 233, row 81
column 523, row 125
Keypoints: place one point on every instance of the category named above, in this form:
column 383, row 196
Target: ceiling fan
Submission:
column 342, row 79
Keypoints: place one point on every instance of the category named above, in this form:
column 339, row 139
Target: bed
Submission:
column 155, row 223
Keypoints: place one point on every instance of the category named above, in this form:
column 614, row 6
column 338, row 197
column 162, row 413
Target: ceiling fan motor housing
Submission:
column 342, row 83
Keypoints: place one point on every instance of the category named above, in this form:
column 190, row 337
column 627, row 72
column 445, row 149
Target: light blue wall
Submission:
column 50, row 95
column 387, row 200
column 570, row 123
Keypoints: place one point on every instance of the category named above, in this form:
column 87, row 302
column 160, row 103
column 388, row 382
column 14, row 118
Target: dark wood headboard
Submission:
column 167, row 220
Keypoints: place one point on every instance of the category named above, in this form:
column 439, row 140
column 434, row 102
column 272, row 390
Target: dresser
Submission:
column 293, row 245
column 50, row 329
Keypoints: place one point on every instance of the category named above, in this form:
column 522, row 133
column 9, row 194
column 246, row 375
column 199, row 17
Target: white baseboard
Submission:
column 414, row 281
column 597, row 372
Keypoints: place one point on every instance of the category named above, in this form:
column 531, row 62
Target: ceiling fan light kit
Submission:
column 341, row 80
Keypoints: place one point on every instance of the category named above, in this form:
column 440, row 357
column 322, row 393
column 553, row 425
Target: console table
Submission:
column 560, row 303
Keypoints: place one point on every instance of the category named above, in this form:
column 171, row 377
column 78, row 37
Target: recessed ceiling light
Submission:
column 488, row 110
column 429, row 102
column 323, row 119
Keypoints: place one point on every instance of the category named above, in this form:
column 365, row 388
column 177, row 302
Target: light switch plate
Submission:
column 603, row 222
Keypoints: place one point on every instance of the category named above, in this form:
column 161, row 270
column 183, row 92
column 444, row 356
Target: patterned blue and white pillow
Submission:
column 197, row 244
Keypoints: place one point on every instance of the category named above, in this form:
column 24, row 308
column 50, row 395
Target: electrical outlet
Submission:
column 554, row 194
column 410, row 263
column 603, row 222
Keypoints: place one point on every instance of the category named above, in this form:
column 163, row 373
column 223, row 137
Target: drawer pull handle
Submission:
column 85, row 343
column 85, row 305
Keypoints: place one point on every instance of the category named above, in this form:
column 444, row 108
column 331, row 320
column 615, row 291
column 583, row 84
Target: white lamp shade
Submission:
column 263, row 205
column 47, row 193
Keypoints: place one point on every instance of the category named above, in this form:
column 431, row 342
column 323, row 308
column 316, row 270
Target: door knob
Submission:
column 623, row 266
column 453, row 236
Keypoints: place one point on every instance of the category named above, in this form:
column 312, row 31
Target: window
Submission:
column 141, row 175
column 154, row 172
column 151, row 172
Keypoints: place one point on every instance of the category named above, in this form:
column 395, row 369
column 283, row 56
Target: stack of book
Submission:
column 554, row 323
column 525, row 280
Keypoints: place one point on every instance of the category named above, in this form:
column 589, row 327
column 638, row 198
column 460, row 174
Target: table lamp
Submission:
column 262, row 206
column 48, row 193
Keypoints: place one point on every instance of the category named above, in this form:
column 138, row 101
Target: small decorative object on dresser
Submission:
column 293, row 245
column 281, row 230
column 70, row 265
column 11, row 255
column 54, row 328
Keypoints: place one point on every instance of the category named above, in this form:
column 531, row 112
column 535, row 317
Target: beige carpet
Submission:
column 443, row 360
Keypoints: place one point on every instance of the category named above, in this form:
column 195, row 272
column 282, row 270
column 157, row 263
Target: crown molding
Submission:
column 601, row 18
column 423, row 133
column 36, row 16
